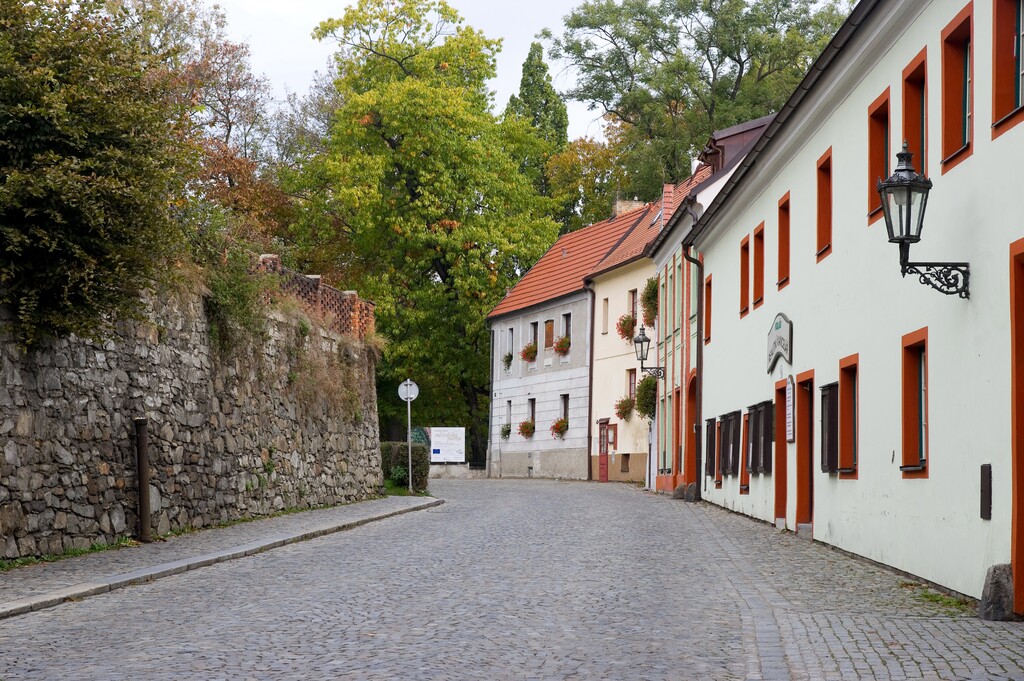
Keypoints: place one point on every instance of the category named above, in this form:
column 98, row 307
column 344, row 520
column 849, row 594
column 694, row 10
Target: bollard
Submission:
column 142, row 475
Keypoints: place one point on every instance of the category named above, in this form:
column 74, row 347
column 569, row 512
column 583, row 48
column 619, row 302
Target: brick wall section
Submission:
column 343, row 311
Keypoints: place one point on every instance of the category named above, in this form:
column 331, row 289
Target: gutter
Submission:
column 589, row 287
column 699, row 363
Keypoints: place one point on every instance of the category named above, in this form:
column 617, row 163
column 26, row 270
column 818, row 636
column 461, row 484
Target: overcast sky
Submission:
column 278, row 31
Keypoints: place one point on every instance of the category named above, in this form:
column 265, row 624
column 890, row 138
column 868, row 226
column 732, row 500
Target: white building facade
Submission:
column 890, row 421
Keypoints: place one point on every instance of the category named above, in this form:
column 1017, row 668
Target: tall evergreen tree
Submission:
column 538, row 102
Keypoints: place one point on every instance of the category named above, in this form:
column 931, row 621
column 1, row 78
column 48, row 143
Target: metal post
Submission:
column 408, row 414
column 142, row 475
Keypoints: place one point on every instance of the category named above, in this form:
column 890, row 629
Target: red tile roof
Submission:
column 638, row 241
column 561, row 270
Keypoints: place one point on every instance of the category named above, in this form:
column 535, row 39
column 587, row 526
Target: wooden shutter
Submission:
column 753, row 444
column 549, row 333
column 709, row 456
column 767, row 435
column 830, row 428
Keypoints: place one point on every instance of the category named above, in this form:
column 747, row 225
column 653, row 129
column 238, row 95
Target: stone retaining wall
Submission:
column 290, row 423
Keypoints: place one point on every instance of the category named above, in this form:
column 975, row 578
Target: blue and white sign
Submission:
column 447, row 445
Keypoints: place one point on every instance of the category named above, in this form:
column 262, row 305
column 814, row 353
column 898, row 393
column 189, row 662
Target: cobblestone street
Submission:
column 523, row 580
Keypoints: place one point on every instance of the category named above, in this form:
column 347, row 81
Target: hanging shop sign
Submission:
column 780, row 341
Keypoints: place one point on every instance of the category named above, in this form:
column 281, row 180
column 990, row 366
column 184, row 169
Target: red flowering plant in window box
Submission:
column 624, row 408
column 626, row 326
column 562, row 346
column 529, row 352
column 526, row 428
column 559, row 427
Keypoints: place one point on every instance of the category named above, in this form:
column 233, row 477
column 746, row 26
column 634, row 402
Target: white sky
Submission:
column 278, row 32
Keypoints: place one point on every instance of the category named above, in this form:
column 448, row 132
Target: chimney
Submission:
column 625, row 205
column 694, row 164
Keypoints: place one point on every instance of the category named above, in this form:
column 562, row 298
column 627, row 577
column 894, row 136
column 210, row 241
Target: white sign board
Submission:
column 447, row 445
column 780, row 341
column 790, row 429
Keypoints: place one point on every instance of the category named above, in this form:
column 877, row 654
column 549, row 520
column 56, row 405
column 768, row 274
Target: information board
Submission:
column 447, row 445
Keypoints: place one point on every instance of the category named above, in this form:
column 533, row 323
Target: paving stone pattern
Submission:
column 523, row 580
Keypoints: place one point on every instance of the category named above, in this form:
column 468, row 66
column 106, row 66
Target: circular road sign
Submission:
column 408, row 390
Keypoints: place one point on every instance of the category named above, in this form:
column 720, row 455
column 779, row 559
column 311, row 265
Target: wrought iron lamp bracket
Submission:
column 657, row 372
column 946, row 277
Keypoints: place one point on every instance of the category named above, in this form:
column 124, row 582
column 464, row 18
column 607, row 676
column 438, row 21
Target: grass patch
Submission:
column 13, row 564
column 393, row 489
column 953, row 605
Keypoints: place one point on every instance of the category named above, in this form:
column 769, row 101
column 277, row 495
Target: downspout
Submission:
column 699, row 369
column 588, row 285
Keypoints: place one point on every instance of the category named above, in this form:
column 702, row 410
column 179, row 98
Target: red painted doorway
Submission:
column 1017, row 422
column 804, row 448
column 602, row 451
column 780, row 469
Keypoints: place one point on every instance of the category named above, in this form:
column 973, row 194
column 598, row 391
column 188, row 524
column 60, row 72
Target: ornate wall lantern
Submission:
column 904, row 200
column 642, row 345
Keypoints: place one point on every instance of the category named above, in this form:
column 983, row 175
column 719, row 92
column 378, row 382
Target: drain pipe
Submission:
column 698, row 421
column 589, row 286
column 142, row 475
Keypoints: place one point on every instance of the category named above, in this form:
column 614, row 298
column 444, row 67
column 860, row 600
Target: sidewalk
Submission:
column 35, row 587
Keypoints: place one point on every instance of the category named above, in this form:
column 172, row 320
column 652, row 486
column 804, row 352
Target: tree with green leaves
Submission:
column 426, row 190
column 672, row 72
column 538, row 103
column 90, row 157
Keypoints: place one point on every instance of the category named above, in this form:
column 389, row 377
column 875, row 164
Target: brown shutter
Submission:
column 751, row 447
column 709, row 457
column 767, row 436
column 830, row 428
column 986, row 491
column 549, row 333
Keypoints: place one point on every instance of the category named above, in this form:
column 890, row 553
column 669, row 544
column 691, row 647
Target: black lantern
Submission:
column 904, row 200
column 642, row 345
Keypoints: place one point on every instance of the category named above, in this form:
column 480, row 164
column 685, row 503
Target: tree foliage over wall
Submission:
column 90, row 155
column 670, row 72
column 424, row 192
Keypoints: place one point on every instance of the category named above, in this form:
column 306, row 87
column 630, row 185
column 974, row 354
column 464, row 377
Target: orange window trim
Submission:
column 707, row 310
column 783, row 241
column 759, row 266
column 1017, row 420
column 913, row 345
column 955, row 38
column 878, row 152
column 849, row 417
column 1006, row 113
column 744, row 456
column 824, row 185
column 744, row 276
column 804, row 404
column 915, row 109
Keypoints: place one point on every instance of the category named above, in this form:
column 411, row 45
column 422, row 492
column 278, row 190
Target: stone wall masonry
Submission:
column 269, row 429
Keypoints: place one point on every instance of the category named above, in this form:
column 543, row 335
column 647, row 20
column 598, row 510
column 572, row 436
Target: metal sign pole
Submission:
column 408, row 414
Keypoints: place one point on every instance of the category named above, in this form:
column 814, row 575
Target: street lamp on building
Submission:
column 904, row 199
column 642, row 345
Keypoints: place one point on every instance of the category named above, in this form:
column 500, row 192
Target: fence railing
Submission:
column 342, row 311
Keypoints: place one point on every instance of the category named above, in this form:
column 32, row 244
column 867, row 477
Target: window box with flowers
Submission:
column 624, row 408
column 626, row 326
column 562, row 346
column 526, row 428
column 559, row 427
column 506, row 430
column 506, row 360
column 529, row 352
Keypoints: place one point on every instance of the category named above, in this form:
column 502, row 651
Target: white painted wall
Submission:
column 855, row 301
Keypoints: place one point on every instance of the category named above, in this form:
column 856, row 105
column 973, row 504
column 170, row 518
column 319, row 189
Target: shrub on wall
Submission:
column 625, row 327
column 559, row 427
column 395, row 455
column 526, row 428
column 624, row 408
column 562, row 346
column 529, row 352
column 647, row 396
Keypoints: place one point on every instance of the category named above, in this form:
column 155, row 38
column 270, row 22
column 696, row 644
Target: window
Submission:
column 604, row 316
column 567, row 325
column 744, row 465
column 631, row 302
column 878, row 152
column 759, row 266
column 753, row 438
column 565, row 407
column 824, row 184
column 915, row 110
column 731, row 443
column 1007, row 65
column 957, row 93
column 631, row 383
column 511, row 340
column 848, row 417
column 783, row 241
column 677, row 316
column 508, row 411
column 718, row 454
column 830, row 428
column 707, row 310
column 915, row 404
column 549, row 333
column 709, row 447
column 762, row 435
column 531, row 409
column 744, row 276
column 624, row 461
column 533, row 332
